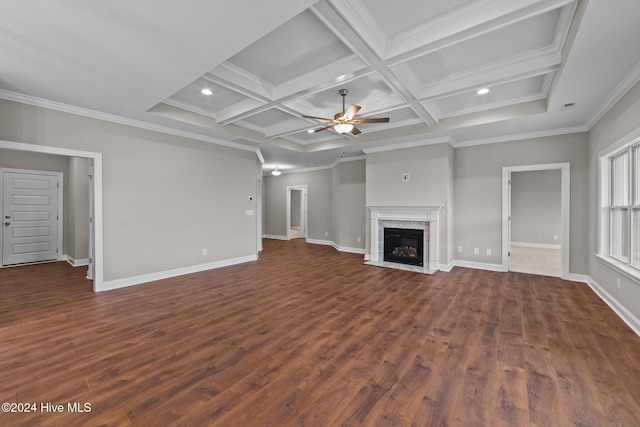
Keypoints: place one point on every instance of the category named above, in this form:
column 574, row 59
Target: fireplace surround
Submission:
column 423, row 218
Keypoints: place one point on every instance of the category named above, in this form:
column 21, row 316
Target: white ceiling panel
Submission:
column 515, row 92
column 499, row 45
column 273, row 121
column 220, row 99
column 394, row 17
column 296, row 48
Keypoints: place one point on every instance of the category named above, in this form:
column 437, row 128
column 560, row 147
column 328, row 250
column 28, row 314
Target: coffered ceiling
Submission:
column 551, row 66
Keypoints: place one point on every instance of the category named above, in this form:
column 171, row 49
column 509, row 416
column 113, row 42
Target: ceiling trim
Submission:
column 364, row 24
column 410, row 144
column 319, row 168
column 112, row 118
column 625, row 86
column 236, row 78
column 515, row 68
column 189, row 107
column 521, row 136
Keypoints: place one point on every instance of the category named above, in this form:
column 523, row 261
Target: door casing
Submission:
column 304, row 226
column 565, row 169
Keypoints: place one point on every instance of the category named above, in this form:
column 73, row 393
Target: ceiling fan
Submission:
column 345, row 121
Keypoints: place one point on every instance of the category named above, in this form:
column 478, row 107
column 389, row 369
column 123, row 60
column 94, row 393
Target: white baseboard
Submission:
column 320, row 242
column 536, row 245
column 476, row 265
column 577, row 278
column 137, row 280
column 360, row 251
column 76, row 262
column 627, row 317
column 273, row 236
column 446, row 267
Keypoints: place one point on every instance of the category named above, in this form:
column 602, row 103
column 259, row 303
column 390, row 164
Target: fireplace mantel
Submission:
column 424, row 217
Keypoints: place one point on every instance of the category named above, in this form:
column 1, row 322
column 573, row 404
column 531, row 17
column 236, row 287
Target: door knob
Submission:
column 7, row 222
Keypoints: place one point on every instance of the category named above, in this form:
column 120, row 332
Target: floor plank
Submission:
column 308, row 336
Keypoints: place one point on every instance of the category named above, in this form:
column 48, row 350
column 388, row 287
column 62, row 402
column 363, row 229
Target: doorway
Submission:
column 296, row 212
column 96, row 266
column 536, row 219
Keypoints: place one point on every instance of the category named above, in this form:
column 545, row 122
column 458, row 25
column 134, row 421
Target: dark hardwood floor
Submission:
column 307, row 336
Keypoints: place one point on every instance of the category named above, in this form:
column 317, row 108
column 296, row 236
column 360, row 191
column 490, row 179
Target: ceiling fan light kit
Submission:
column 343, row 128
column 344, row 122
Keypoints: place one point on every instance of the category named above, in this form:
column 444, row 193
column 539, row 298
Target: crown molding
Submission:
column 93, row 114
column 521, row 136
column 621, row 90
column 319, row 168
column 189, row 107
column 410, row 144
column 492, row 106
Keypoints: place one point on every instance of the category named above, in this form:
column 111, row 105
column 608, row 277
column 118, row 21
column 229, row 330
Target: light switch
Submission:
column 248, row 212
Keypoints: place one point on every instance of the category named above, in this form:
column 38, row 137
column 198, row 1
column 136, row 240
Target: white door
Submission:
column 30, row 217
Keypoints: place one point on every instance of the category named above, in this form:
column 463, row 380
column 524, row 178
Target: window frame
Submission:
column 629, row 265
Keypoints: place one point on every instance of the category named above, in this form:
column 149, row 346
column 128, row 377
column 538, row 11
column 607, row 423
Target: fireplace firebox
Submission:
column 403, row 245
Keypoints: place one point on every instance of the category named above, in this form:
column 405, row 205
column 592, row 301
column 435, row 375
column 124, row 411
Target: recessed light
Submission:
column 206, row 92
column 483, row 91
column 311, row 131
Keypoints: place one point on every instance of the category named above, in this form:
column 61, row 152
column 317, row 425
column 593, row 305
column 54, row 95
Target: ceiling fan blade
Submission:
column 372, row 120
column 355, row 131
column 351, row 112
column 318, row 118
column 324, row 128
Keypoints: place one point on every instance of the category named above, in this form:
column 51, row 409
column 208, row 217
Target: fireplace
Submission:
column 420, row 219
column 403, row 245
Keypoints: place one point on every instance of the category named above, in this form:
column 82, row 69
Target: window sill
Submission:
column 625, row 269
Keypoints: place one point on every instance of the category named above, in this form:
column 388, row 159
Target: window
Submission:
column 623, row 204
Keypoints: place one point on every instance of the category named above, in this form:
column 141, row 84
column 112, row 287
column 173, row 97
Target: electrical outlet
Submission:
column 204, row 251
column 488, row 251
column 555, row 237
column 326, row 233
column 618, row 282
column 359, row 239
column 460, row 249
column 476, row 251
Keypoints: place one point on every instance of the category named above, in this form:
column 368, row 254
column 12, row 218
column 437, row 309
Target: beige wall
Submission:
column 165, row 198
column 336, row 204
column 319, row 200
column 536, row 207
column 431, row 184
column 350, row 213
column 478, row 193
column 79, row 208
